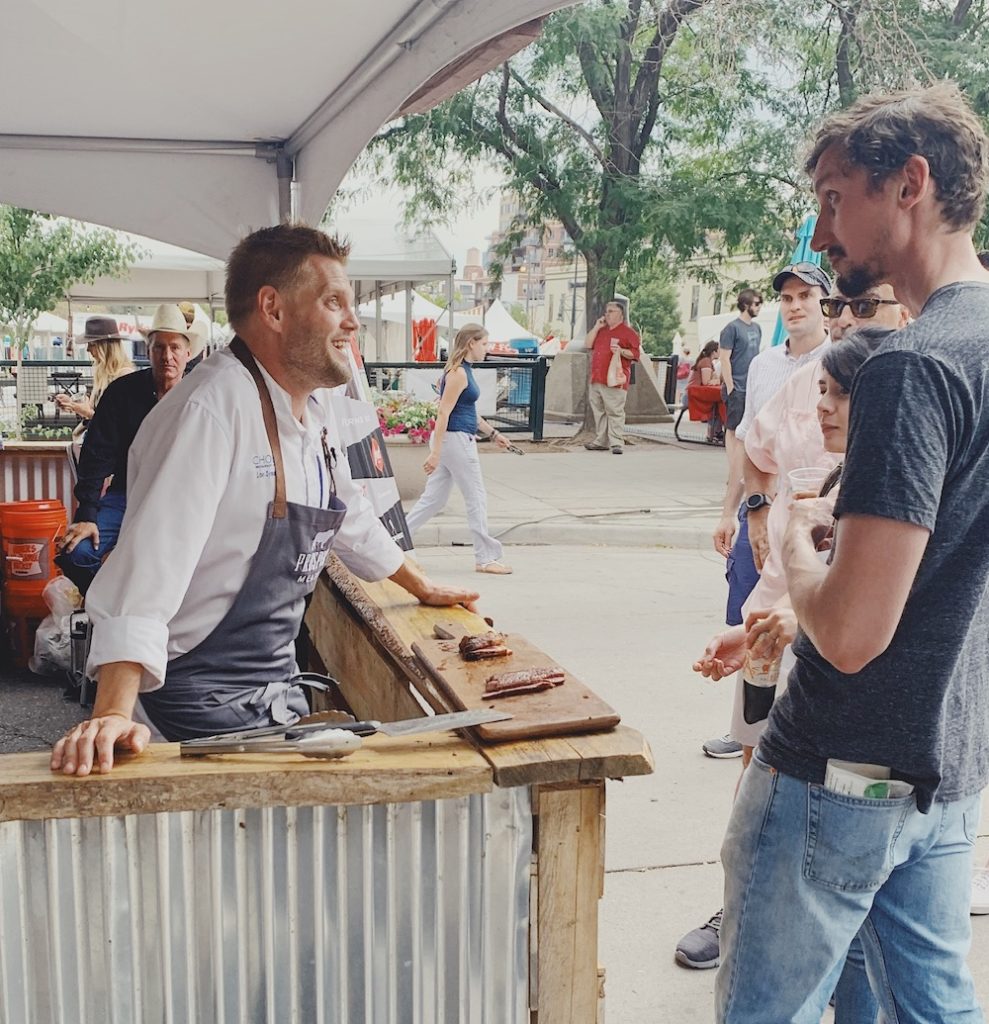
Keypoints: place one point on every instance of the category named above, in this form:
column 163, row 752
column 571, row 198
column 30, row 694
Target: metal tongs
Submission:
column 329, row 739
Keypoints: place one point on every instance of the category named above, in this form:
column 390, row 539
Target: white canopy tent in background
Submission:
column 503, row 327
column 383, row 257
column 243, row 134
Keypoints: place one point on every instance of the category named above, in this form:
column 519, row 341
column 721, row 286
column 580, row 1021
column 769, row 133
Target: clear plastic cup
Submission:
column 807, row 479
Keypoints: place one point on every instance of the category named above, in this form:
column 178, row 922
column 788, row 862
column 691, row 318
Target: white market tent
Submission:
column 208, row 140
column 503, row 327
column 382, row 257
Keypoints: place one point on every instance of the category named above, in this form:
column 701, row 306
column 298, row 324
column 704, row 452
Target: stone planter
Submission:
column 406, row 462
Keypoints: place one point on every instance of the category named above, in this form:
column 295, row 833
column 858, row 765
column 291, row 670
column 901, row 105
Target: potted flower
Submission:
column 407, row 423
column 401, row 414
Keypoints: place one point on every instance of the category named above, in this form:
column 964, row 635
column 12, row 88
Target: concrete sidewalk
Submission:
column 653, row 494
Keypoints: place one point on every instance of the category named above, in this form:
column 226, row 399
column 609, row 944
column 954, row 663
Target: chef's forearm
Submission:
column 409, row 577
column 118, row 687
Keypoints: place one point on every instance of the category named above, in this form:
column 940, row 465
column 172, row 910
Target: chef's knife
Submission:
column 410, row 727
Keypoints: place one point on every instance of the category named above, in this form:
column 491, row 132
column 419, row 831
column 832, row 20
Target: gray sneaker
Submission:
column 722, row 746
column 701, row 948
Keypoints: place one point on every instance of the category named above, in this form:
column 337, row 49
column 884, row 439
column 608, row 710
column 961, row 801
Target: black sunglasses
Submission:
column 862, row 309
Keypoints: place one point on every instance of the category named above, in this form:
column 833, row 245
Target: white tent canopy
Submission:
column 381, row 256
column 501, row 326
column 197, row 143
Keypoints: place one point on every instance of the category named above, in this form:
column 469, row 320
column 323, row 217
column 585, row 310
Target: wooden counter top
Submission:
column 343, row 608
column 384, row 770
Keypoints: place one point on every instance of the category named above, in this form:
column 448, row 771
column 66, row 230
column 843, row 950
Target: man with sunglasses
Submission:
column 739, row 344
column 876, row 307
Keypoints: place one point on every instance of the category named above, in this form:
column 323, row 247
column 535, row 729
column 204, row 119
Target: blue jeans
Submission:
column 740, row 571
column 807, row 869
column 83, row 562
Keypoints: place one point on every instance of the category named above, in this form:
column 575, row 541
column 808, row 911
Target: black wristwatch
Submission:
column 756, row 501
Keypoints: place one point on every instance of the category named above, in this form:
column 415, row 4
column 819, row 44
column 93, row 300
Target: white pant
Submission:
column 458, row 465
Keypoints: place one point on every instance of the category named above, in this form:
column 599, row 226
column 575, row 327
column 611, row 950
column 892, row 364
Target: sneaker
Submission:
column 723, row 746
column 617, row 450
column 701, row 948
column 980, row 891
column 593, row 446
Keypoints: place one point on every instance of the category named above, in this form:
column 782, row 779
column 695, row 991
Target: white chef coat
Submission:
column 199, row 481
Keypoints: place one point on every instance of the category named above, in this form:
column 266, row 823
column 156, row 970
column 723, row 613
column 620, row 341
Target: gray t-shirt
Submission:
column 918, row 453
column 742, row 340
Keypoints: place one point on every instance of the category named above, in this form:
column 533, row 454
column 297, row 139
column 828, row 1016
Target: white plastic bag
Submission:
column 52, row 642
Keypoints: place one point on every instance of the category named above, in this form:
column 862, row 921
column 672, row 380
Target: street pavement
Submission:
column 615, row 577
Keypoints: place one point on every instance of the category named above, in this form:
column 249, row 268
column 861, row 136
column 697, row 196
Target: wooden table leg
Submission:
column 569, row 883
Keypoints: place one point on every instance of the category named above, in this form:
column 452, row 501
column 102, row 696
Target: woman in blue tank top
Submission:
column 453, row 456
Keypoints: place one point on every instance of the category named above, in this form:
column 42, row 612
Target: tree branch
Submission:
column 960, row 12
column 557, row 112
column 645, row 91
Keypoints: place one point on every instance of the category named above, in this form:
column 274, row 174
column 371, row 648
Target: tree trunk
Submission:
column 600, row 290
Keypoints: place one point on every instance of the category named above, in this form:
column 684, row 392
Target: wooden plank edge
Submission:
column 616, row 754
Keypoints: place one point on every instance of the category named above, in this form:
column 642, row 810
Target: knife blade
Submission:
column 431, row 723
column 409, row 727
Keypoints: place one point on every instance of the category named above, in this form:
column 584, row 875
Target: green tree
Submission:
column 620, row 122
column 41, row 257
column 654, row 310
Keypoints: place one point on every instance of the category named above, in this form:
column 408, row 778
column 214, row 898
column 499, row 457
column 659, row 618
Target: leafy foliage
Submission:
column 41, row 257
column 666, row 130
column 653, row 309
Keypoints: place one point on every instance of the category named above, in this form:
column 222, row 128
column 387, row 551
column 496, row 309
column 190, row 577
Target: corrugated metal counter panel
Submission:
column 386, row 913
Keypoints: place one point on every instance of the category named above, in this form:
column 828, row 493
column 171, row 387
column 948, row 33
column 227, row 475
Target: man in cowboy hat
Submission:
column 115, row 423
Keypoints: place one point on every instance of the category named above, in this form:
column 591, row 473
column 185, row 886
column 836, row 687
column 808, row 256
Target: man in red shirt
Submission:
column 610, row 334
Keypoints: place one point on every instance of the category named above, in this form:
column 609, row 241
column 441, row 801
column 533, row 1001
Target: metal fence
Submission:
column 48, row 379
column 520, row 401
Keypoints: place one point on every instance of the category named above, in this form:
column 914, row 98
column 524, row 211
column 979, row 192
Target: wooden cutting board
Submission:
column 570, row 708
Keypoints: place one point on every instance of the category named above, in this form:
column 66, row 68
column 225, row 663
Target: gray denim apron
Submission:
column 243, row 674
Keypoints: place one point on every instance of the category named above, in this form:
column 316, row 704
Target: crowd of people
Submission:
column 853, row 528
column 856, row 617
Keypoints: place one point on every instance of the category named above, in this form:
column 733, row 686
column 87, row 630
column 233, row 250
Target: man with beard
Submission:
column 859, row 810
column 235, row 495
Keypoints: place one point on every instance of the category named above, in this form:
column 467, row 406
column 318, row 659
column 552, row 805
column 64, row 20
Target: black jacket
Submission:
column 111, row 432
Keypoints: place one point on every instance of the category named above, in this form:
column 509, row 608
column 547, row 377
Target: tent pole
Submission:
column 379, row 351
column 287, row 195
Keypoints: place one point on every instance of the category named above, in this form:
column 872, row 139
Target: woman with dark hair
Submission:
column 704, row 373
column 453, row 458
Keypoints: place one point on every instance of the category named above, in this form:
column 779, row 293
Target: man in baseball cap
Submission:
column 809, row 273
column 115, row 423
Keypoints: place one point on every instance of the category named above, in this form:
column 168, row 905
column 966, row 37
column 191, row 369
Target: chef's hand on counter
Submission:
column 92, row 743
column 411, row 578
